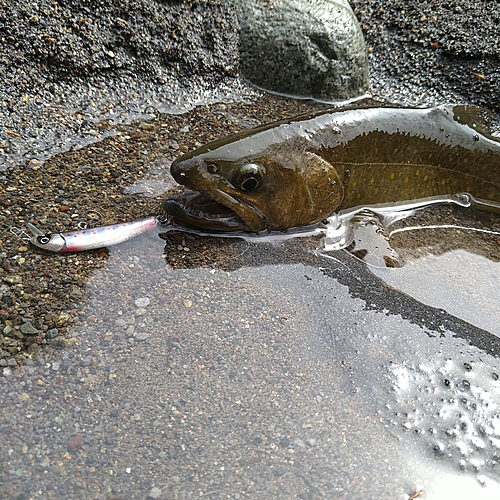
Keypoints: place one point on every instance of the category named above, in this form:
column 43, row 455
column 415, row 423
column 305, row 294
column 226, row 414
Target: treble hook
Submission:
column 84, row 224
column 18, row 232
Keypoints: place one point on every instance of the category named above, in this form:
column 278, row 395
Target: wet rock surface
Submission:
column 305, row 48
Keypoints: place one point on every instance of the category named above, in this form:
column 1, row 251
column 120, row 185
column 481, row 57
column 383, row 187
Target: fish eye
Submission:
column 43, row 239
column 250, row 177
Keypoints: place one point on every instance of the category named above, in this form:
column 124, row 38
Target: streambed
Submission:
column 185, row 366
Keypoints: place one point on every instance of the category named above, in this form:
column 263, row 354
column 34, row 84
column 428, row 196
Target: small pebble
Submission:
column 86, row 360
column 140, row 337
column 142, row 302
column 52, row 333
column 13, row 280
column 28, row 329
column 62, row 319
column 298, row 442
column 147, row 126
column 75, row 443
column 75, row 293
column 155, row 493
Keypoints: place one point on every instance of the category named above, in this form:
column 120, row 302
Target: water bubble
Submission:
column 461, row 416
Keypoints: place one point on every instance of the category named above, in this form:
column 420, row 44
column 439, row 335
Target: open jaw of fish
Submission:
column 200, row 211
column 298, row 172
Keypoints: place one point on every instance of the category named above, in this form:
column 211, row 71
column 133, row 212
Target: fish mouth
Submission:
column 201, row 211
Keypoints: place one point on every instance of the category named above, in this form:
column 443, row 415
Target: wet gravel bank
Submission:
column 269, row 381
column 64, row 66
column 126, row 375
column 124, row 177
column 248, row 408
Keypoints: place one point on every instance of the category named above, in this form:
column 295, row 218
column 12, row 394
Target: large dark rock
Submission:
column 303, row 47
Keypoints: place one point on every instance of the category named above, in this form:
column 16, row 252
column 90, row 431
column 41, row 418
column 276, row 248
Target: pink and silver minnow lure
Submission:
column 90, row 239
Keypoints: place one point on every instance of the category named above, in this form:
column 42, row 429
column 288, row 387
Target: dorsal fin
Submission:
column 474, row 117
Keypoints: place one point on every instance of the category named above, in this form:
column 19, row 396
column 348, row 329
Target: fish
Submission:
column 298, row 172
column 90, row 239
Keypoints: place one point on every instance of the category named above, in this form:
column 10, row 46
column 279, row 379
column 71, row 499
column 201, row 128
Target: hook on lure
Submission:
column 19, row 232
column 83, row 224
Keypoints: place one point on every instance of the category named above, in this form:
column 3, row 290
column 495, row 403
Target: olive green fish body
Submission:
column 298, row 172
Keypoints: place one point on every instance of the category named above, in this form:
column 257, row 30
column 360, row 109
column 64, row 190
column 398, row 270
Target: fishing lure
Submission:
column 90, row 239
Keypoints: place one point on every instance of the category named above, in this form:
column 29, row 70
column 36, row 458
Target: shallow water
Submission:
column 463, row 280
column 464, row 284
column 287, row 374
column 272, row 381
column 78, row 114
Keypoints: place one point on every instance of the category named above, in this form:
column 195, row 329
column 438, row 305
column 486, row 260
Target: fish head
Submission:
column 276, row 189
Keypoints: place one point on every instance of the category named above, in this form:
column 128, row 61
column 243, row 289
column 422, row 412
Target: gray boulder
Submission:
column 303, row 47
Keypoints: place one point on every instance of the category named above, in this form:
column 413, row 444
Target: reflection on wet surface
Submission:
column 78, row 114
column 453, row 265
column 453, row 405
column 464, row 284
column 269, row 381
column 194, row 366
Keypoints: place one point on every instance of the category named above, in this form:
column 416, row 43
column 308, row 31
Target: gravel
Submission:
column 429, row 52
column 69, row 71
column 254, row 371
